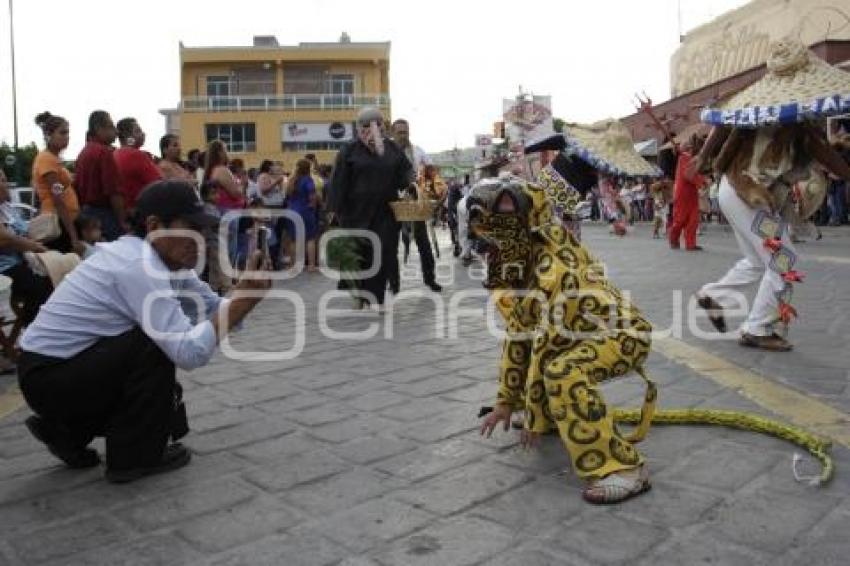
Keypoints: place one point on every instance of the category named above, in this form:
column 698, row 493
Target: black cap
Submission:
column 170, row 200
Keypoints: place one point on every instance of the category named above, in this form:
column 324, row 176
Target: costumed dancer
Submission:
column 369, row 173
column 586, row 157
column 686, row 197
column 662, row 195
column 588, row 332
column 767, row 139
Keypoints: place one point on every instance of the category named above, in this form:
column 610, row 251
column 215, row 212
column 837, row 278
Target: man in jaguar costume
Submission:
column 568, row 329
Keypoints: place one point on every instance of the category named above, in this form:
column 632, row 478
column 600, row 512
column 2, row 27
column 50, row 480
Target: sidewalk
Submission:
column 367, row 452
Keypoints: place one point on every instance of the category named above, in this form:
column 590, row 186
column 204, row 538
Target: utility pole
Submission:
column 14, row 93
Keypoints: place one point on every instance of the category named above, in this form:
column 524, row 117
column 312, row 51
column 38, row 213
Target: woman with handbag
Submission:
column 59, row 206
column 28, row 287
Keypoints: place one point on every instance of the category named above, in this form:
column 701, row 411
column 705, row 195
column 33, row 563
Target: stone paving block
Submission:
column 199, row 407
column 365, row 526
column 478, row 394
column 432, row 386
column 529, row 556
column 279, row 474
column 633, row 539
column 47, row 481
column 202, row 468
column 183, row 504
column 13, row 443
column 373, row 448
column 224, row 418
column 413, row 374
column 341, row 491
column 357, row 387
column 238, row 435
column 281, row 448
column 433, row 459
column 356, row 427
column 249, row 521
column 274, row 390
column 282, row 407
column 322, row 380
column 326, row 413
column 460, row 541
column 668, row 446
column 27, row 464
column 284, row 550
column 699, row 549
column 451, row 423
column 157, row 550
column 826, row 543
column 38, row 546
column 541, row 501
column 739, row 465
column 671, row 504
column 768, row 520
column 464, row 487
column 377, row 400
column 550, row 458
column 417, row 409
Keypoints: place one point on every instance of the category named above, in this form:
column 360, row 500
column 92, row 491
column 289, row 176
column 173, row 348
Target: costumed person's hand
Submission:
column 501, row 413
column 529, row 439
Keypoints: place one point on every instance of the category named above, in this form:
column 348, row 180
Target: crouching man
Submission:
column 100, row 357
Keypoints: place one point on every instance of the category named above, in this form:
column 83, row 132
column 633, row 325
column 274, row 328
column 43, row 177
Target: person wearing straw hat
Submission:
column 767, row 140
column 100, row 358
column 368, row 175
column 589, row 156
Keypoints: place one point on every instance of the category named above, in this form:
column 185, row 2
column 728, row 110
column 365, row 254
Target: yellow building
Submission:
column 276, row 102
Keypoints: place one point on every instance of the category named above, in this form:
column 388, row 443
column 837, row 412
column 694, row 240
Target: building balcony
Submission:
column 277, row 102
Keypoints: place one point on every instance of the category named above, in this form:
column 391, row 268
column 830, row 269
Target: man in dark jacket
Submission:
column 368, row 175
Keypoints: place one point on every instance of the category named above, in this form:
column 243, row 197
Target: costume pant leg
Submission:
column 462, row 227
column 678, row 223
column 584, row 422
column 426, row 254
column 755, row 265
column 122, row 387
column 691, row 225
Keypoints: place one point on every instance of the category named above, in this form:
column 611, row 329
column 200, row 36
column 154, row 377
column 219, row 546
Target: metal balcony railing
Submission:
column 260, row 102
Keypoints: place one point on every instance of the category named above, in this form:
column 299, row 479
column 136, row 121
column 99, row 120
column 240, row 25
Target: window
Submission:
column 303, row 79
column 312, row 146
column 340, row 88
column 219, row 91
column 239, row 138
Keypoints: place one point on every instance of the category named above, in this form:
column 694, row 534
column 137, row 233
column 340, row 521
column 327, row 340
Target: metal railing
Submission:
column 250, row 103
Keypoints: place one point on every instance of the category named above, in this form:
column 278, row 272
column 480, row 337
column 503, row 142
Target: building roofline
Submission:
column 312, row 45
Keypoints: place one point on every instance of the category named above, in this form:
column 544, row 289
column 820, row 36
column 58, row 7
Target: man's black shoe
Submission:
column 434, row 286
column 77, row 457
column 173, row 457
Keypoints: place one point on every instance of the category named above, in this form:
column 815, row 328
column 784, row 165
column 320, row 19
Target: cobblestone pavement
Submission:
column 367, row 453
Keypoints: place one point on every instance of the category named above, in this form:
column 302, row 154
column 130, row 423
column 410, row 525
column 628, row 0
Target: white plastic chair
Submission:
column 26, row 211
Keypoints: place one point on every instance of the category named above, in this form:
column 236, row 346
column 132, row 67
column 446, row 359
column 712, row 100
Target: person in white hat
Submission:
column 769, row 148
column 368, row 174
column 100, row 358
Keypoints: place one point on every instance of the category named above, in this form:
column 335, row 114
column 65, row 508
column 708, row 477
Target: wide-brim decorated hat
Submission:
column 798, row 86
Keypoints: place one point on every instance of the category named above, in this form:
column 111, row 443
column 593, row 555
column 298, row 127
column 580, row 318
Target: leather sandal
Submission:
column 714, row 311
column 772, row 343
column 615, row 488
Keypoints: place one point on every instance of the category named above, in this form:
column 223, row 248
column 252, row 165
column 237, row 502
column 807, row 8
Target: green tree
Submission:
column 558, row 125
column 21, row 171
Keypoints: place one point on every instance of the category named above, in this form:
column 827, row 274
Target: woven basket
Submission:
column 413, row 210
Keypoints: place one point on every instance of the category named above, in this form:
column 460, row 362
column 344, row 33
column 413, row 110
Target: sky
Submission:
column 452, row 62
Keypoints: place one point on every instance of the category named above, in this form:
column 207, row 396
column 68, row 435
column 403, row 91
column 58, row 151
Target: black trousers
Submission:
column 386, row 229
column 423, row 244
column 32, row 289
column 123, row 387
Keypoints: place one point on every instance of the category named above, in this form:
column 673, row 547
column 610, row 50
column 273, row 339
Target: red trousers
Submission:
column 685, row 217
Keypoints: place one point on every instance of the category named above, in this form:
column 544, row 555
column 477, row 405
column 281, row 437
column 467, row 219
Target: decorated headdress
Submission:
column 798, row 86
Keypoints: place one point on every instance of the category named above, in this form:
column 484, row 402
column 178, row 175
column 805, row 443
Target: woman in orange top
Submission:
column 53, row 182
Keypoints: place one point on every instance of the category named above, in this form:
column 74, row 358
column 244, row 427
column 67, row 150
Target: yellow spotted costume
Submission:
column 568, row 329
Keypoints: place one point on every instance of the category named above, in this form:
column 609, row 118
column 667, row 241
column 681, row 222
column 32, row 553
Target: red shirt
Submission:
column 137, row 171
column 686, row 188
column 95, row 175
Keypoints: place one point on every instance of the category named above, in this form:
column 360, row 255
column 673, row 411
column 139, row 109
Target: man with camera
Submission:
column 100, row 358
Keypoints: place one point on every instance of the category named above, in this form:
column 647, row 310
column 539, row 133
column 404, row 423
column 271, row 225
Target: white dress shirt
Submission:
column 126, row 285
